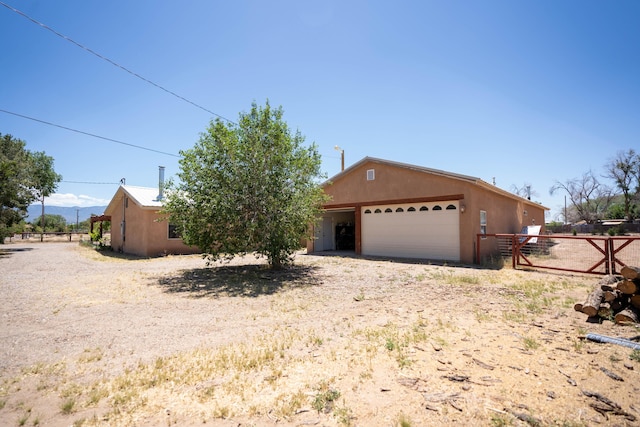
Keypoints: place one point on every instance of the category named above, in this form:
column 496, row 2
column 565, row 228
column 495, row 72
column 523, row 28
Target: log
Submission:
column 628, row 315
column 630, row 273
column 609, row 296
column 635, row 301
column 628, row 287
column 591, row 305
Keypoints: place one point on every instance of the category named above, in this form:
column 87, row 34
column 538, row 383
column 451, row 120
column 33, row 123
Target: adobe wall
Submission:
column 144, row 234
column 505, row 214
column 390, row 183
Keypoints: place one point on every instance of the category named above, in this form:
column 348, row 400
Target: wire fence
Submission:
column 580, row 254
column 50, row 237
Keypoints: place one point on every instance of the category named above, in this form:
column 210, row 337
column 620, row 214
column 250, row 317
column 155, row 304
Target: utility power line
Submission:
column 88, row 134
column 104, row 58
column 92, row 183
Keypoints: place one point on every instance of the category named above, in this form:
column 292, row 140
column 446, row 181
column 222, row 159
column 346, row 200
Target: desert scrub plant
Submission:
column 343, row 415
column 530, row 343
column 482, row 315
column 223, row 378
column 394, row 339
column 635, row 355
column 68, row 406
column 501, row 420
column 325, row 397
column 390, row 344
column 403, row 421
column 289, row 404
column 451, row 278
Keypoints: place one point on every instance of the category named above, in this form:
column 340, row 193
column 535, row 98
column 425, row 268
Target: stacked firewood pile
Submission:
column 615, row 298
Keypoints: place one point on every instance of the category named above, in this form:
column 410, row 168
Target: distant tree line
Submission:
column 591, row 199
column 55, row 224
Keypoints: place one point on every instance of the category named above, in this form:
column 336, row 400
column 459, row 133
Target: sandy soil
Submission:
column 395, row 343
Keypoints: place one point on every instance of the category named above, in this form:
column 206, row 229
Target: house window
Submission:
column 437, row 208
column 451, row 208
column 388, row 210
column 399, row 210
column 424, row 208
column 377, row 211
column 483, row 224
column 411, row 209
column 368, row 211
column 174, row 233
column 371, row 174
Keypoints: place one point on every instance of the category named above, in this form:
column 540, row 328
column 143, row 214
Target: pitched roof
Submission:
column 439, row 172
column 145, row 197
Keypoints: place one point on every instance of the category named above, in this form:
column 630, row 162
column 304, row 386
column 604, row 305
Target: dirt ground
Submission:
column 90, row 338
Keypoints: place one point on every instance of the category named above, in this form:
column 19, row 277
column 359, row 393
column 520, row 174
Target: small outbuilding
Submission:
column 137, row 227
column 390, row 209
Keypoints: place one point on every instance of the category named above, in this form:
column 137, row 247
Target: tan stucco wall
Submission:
column 505, row 213
column 390, row 183
column 144, row 235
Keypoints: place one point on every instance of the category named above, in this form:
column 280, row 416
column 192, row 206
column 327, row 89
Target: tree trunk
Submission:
column 609, row 296
column 629, row 314
column 630, row 273
column 591, row 305
column 628, row 287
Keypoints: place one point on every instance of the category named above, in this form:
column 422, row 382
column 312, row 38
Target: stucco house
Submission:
column 385, row 208
column 136, row 227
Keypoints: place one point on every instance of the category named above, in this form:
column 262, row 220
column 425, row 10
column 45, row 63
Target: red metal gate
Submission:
column 580, row 254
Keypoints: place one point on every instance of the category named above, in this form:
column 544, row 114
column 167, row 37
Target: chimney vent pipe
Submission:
column 160, row 182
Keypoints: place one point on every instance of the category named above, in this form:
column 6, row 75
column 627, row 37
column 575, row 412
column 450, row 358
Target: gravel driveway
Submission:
column 400, row 342
column 64, row 299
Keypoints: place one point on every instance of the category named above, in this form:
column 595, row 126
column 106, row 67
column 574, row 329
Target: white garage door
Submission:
column 424, row 230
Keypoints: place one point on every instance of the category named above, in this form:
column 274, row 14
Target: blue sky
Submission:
column 523, row 92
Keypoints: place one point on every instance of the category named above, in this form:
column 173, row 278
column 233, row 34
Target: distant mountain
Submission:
column 71, row 215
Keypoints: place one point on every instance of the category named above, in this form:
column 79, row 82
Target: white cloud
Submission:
column 73, row 200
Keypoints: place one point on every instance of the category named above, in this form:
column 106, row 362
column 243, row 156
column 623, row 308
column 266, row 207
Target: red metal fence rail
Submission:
column 579, row 254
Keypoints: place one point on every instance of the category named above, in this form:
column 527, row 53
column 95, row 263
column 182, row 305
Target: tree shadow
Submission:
column 10, row 251
column 239, row 281
column 397, row 260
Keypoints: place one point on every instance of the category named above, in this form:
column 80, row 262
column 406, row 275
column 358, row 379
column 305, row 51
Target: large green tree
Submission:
column 250, row 187
column 25, row 176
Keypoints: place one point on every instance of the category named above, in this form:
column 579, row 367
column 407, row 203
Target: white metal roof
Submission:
column 145, row 197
